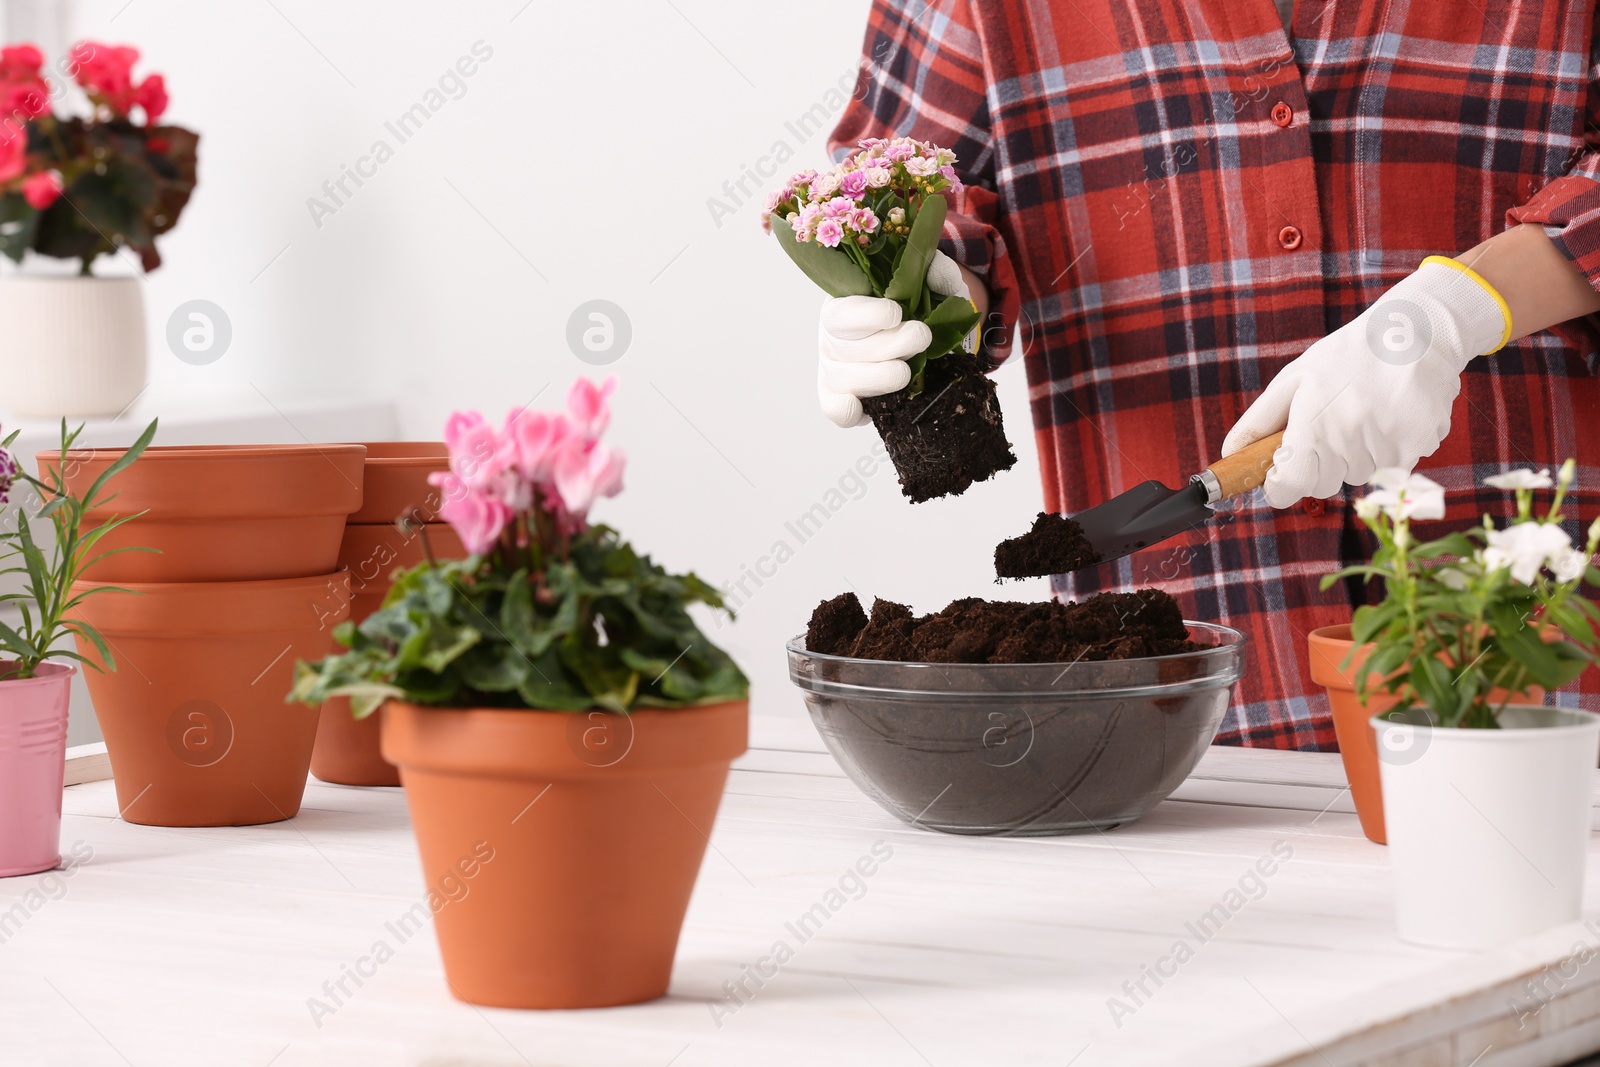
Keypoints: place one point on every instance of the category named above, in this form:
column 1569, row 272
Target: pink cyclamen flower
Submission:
column 531, row 438
column 590, row 406
column 477, row 457
column 586, row 472
column 829, row 233
column 478, row 518
column 41, row 189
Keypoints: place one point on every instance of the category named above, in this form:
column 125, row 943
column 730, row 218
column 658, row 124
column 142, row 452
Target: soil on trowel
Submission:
column 1055, row 545
column 947, row 436
column 1107, row 626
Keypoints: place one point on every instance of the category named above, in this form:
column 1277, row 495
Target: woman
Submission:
column 1198, row 222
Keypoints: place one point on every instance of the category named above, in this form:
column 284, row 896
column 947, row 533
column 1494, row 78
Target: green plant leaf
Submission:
column 834, row 271
column 917, row 254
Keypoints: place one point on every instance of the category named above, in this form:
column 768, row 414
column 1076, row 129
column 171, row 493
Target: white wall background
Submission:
column 576, row 166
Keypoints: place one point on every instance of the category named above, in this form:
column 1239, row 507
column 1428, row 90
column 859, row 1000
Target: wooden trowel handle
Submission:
column 1247, row 468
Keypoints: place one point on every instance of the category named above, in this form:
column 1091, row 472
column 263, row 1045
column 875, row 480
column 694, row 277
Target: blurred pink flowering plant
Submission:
column 548, row 611
column 534, row 479
column 870, row 227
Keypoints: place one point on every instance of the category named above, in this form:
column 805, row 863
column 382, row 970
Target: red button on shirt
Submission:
column 1312, row 506
column 1282, row 113
column 1289, row 237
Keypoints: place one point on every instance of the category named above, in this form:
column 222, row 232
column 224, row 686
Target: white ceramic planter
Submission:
column 1488, row 829
column 70, row 346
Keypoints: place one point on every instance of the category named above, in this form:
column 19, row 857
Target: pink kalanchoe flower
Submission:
column 829, row 233
column 478, row 518
column 922, row 167
column 899, row 153
column 854, row 184
column 864, row 221
column 878, row 177
column 839, row 207
column 42, row 189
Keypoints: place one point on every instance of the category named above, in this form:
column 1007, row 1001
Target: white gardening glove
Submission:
column 1376, row 392
column 862, row 345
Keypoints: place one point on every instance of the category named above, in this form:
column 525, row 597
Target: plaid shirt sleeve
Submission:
column 1569, row 210
column 924, row 75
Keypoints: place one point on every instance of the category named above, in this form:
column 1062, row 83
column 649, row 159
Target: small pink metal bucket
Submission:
column 33, row 764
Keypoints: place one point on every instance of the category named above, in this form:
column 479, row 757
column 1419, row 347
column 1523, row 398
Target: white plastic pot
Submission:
column 70, row 346
column 1488, row 829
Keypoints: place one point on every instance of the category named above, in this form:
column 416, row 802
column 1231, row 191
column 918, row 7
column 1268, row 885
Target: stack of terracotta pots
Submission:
column 377, row 544
column 246, row 581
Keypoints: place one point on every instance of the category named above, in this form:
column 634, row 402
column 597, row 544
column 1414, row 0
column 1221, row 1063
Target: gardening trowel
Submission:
column 1151, row 512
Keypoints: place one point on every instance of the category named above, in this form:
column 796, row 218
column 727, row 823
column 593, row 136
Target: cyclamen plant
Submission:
column 548, row 611
column 1478, row 615
column 78, row 188
column 870, row 227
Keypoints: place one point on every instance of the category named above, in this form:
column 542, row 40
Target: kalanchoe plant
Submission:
column 870, row 227
column 81, row 187
column 46, row 601
column 549, row 612
column 1475, row 616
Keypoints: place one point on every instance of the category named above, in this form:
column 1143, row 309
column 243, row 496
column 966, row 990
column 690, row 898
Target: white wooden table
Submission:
column 209, row 947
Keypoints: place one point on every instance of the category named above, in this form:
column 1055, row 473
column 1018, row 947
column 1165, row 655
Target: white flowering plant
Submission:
column 1474, row 617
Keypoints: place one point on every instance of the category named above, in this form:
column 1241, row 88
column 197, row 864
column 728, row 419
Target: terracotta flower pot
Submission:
column 347, row 748
column 1358, row 745
column 194, row 717
column 560, row 848
column 33, row 765
column 395, row 482
column 222, row 513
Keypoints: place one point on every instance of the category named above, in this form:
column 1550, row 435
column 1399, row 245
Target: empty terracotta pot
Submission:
column 1358, row 745
column 222, row 513
column 33, row 764
column 560, row 848
column 347, row 748
column 194, row 718
column 395, row 481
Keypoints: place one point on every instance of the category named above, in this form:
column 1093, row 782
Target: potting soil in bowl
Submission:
column 1014, row 718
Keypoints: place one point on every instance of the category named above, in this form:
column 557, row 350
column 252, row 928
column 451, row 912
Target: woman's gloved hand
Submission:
column 1377, row 392
column 862, row 345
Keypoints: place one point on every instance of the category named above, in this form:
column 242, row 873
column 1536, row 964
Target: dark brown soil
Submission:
column 835, row 624
column 947, row 436
column 1107, row 626
column 1055, row 545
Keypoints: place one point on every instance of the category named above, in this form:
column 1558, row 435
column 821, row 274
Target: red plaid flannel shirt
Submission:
column 1170, row 199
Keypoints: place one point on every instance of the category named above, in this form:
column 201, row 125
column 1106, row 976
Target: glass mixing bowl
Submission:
column 1021, row 748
